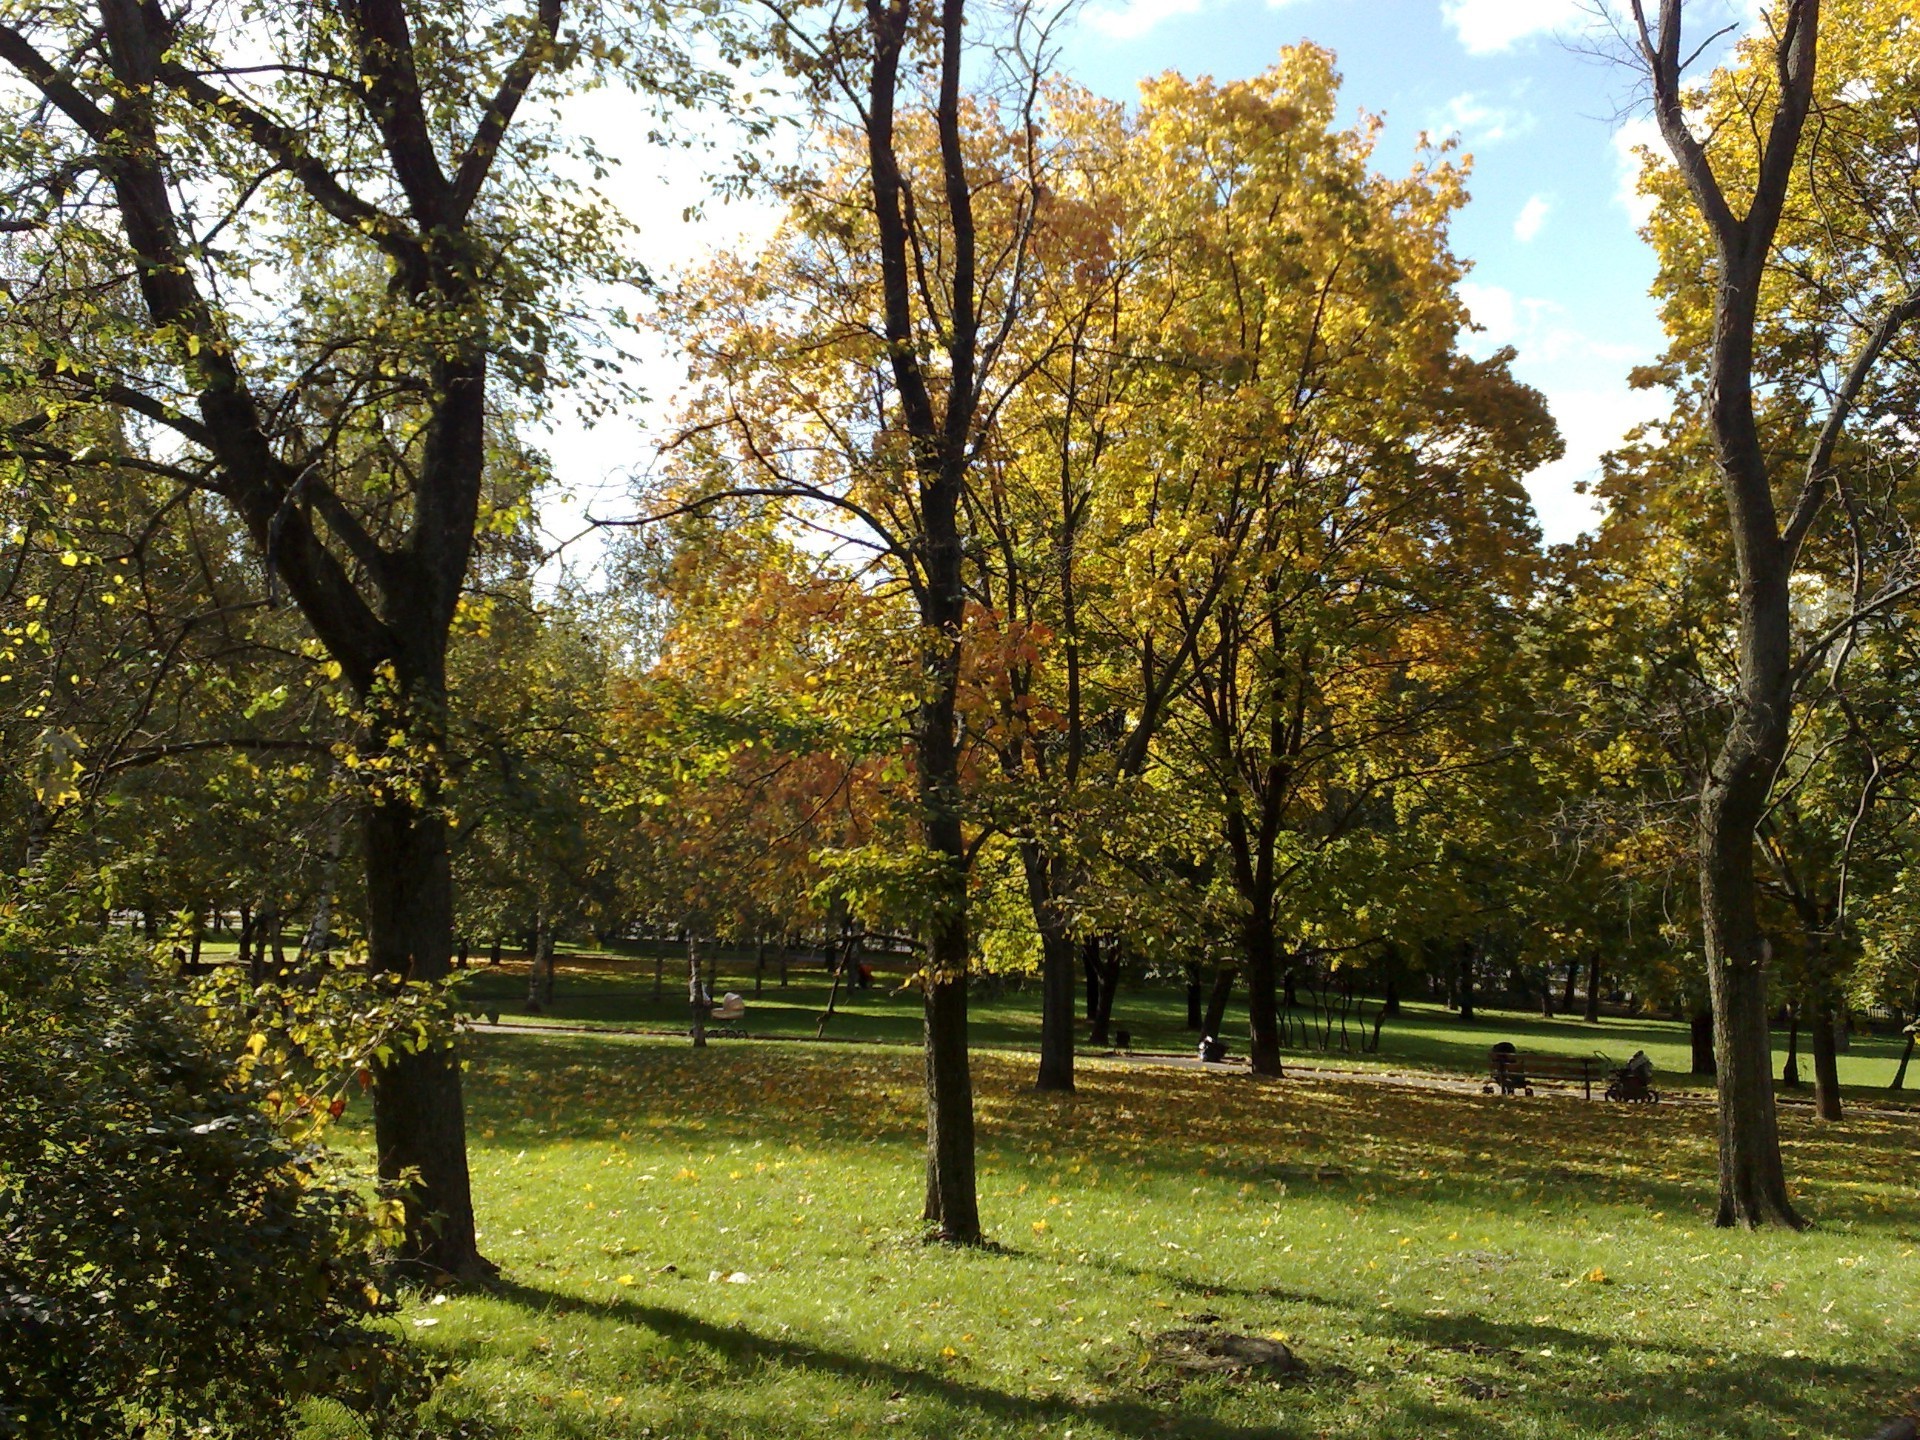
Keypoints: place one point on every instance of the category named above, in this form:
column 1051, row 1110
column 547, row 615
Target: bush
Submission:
column 171, row 1263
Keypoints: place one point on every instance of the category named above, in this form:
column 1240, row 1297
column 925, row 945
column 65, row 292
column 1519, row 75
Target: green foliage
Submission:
column 171, row 1262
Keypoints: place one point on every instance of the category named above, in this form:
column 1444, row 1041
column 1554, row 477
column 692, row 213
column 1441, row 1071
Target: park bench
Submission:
column 1509, row 1070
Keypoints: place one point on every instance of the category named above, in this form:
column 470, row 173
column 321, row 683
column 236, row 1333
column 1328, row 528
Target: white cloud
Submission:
column 1532, row 216
column 1488, row 26
column 1627, row 140
column 1592, row 421
column 1478, row 121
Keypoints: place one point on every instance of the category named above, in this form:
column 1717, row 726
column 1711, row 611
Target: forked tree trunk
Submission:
column 419, row 1120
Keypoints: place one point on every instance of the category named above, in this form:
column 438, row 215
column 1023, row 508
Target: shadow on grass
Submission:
column 745, row 1351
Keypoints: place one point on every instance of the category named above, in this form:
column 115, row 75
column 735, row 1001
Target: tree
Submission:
column 323, row 229
column 853, row 375
column 1359, row 475
column 1738, row 184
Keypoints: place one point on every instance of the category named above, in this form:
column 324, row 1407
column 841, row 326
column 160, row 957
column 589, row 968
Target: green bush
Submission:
column 171, row 1263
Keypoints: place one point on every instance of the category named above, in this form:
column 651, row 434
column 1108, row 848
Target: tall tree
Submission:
column 1738, row 146
column 323, row 228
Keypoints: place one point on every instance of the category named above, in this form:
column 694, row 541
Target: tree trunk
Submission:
column 952, row 1204
column 1790, row 1072
column 699, row 1001
column 1196, row 997
column 1826, row 1063
column 1900, row 1075
column 1263, row 974
column 1700, row 1037
column 1044, row 876
column 540, row 966
column 759, row 964
column 1546, row 992
column 1090, row 968
column 419, row 1119
column 1216, row 1015
column 1573, row 979
column 1593, row 987
column 1390, row 1005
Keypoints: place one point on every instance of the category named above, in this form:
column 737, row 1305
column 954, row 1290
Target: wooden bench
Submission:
column 1511, row 1070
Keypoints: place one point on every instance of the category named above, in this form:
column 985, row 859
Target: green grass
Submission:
column 618, row 992
column 1462, row 1266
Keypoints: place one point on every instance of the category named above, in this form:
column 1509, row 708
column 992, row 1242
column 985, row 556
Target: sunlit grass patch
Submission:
column 725, row 1243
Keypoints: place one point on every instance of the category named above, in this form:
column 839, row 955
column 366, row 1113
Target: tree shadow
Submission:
column 744, row 1351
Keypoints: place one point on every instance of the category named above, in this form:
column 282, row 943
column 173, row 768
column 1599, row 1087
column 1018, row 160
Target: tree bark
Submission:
column 419, row 1118
column 1826, row 1062
column 1261, row 951
column 1593, row 987
column 1700, row 1030
column 952, row 1204
column 1900, row 1075
column 699, row 1002
column 1222, row 991
column 540, row 965
column 1045, row 878
column 1790, row 1071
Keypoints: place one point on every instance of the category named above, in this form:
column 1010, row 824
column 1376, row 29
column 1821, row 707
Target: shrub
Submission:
column 171, row 1263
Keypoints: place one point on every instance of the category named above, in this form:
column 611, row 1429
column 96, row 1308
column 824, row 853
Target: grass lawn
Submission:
column 725, row 1243
column 599, row 990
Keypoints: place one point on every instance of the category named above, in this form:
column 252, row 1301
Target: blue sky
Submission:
column 1559, row 270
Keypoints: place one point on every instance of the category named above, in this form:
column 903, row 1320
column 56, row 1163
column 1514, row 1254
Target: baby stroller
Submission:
column 729, row 1016
column 1633, row 1081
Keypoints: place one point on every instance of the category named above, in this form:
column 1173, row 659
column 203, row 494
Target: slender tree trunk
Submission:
column 419, row 1119
column 699, row 1001
column 1261, row 950
column 1043, row 876
column 1826, row 1063
column 1790, row 1072
column 1593, row 987
column 540, row 965
column 1222, row 991
column 1900, row 1075
column 759, row 964
column 1546, row 993
column 1573, row 979
column 1700, row 1038
column 952, row 1204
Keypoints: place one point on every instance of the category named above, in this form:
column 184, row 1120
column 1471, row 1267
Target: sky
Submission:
column 1559, row 271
